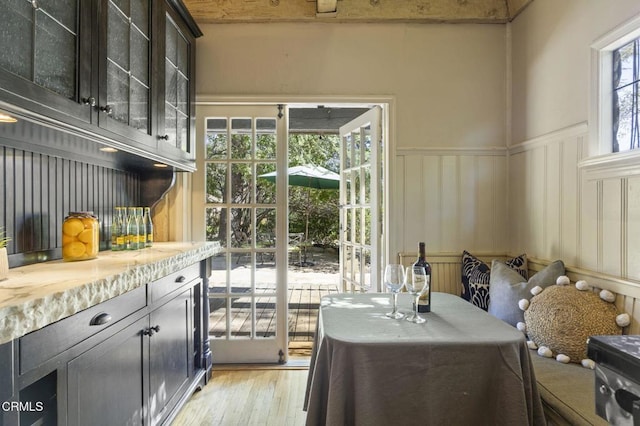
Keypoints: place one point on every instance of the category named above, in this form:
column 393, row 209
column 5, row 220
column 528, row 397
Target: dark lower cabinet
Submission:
column 170, row 354
column 106, row 384
column 137, row 368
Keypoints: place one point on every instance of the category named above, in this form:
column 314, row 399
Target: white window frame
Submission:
column 601, row 111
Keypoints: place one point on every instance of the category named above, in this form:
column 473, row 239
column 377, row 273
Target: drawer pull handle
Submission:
column 100, row 319
column 151, row 330
column 181, row 279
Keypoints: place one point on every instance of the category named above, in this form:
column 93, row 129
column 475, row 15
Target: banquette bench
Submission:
column 567, row 390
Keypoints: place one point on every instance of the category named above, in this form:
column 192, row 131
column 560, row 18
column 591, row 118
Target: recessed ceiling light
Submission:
column 108, row 149
column 160, row 165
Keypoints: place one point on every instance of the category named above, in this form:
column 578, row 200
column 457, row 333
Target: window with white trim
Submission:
column 626, row 97
column 615, row 102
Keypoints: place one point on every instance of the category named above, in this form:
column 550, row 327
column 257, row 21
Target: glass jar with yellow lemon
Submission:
column 80, row 236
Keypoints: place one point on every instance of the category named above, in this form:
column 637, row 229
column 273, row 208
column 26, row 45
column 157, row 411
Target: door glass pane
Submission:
column 16, row 37
column 140, row 15
column 216, row 182
column 265, row 272
column 266, row 228
column 366, row 147
column 182, row 97
column 216, row 138
column 265, row 313
column 171, row 85
column 170, row 124
column 217, row 316
column 182, row 141
column 367, row 226
column 241, row 183
column 241, row 317
column 128, row 49
column 171, row 42
column 118, row 37
column 219, row 273
column 356, row 152
column 358, row 226
column 182, row 54
column 266, row 142
column 347, row 152
column 367, row 184
column 140, row 60
column 118, row 96
column 139, row 105
column 55, row 56
column 265, row 189
column 241, row 138
column 241, row 227
column 216, row 225
column 241, row 272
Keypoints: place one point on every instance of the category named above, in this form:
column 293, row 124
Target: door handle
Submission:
column 151, row 330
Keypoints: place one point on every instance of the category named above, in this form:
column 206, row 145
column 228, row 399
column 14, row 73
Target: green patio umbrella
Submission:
column 308, row 176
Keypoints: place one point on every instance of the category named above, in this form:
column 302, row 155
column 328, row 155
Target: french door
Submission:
column 247, row 215
column 361, row 192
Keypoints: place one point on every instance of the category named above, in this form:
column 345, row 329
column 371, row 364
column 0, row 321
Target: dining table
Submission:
column 462, row 367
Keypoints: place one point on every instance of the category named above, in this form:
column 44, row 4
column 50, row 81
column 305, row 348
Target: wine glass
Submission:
column 417, row 283
column 394, row 281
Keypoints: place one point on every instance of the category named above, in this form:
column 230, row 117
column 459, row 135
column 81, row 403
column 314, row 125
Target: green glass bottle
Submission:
column 116, row 226
column 148, row 226
column 132, row 229
column 142, row 228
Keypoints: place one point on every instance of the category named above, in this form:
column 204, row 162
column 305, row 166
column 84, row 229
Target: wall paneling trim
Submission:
column 39, row 190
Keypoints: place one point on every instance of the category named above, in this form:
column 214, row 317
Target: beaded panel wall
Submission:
column 39, row 190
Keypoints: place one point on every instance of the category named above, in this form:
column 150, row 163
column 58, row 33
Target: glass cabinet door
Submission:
column 178, row 90
column 128, row 70
column 41, row 47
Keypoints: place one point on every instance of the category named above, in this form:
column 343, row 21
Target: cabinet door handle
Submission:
column 181, row 279
column 90, row 101
column 107, row 109
column 164, row 137
column 100, row 319
column 151, row 330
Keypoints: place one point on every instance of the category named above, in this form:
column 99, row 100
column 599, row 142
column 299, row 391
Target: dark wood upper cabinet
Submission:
column 176, row 124
column 127, row 101
column 45, row 57
column 120, row 71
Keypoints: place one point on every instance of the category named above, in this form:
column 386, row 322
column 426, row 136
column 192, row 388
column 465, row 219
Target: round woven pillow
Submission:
column 562, row 318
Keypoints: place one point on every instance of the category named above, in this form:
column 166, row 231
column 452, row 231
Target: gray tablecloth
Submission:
column 462, row 367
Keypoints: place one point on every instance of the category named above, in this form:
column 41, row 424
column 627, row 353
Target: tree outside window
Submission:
column 626, row 97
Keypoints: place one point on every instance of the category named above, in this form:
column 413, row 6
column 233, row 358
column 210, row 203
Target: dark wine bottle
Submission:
column 424, row 303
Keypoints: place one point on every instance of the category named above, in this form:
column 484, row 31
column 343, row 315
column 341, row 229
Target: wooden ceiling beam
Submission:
column 239, row 11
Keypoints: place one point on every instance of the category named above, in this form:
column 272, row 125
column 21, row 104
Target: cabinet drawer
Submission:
column 160, row 288
column 41, row 345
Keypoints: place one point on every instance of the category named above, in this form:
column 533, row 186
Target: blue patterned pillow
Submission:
column 476, row 277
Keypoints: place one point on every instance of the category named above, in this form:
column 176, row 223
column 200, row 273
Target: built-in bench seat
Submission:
column 567, row 392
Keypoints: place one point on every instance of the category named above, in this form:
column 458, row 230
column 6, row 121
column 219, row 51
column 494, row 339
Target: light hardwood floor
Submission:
column 248, row 397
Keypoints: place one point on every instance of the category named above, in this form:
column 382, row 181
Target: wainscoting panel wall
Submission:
column 544, row 189
column 446, row 277
column 451, row 199
column 39, row 190
column 585, row 211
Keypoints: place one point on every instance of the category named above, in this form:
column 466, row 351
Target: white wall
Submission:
column 559, row 205
column 449, row 89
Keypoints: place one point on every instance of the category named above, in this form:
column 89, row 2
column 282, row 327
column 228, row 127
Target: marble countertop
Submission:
column 35, row 296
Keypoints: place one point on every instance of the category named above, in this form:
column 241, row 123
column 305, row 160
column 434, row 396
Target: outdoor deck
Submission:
column 304, row 302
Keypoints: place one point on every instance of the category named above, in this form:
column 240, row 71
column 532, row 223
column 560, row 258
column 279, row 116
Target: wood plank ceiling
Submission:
column 452, row 11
